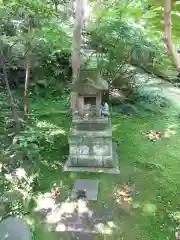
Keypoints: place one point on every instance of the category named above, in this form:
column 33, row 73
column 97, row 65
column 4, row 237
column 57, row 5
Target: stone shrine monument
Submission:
column 90, row 137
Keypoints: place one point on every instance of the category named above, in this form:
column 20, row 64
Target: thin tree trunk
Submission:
column 76, row 45
column 26, row 90
column 56, row 6
column 10, row 96
column 168, row 33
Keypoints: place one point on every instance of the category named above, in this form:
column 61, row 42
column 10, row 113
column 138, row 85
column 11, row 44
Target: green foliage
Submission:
column 24, row 148
column 35, row 32
column 154, row 18
column 31, row 161
column 130, row 38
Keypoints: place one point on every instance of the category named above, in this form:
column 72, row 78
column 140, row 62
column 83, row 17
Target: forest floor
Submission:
column 142, row 202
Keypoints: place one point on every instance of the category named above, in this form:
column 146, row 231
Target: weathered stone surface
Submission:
column 14, row 228
column 91, row 148
column 90, row 81
column 91, row 143
column 111, row 166
column 90, row 187
column 90, row 136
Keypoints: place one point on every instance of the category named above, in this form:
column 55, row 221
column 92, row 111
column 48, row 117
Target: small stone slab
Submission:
column 13, row 228
column 89, row 186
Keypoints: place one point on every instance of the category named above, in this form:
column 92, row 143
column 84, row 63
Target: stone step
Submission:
column 91, row 158
column 75, row 140
column 97, row 125
column 93, row 162
column 99, row 120
column 92, row 127
column 90, row 134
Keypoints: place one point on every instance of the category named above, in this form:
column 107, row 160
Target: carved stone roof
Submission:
column 89, row 79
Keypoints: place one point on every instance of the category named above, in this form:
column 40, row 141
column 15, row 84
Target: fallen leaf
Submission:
column 127, row 199
column 153, row 135
column 124, row 194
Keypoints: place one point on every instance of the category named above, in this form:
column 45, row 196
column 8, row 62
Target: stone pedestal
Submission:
column 90, row 137
column 90, row 146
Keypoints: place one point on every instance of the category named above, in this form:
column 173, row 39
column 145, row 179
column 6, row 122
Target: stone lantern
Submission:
column 90, row 136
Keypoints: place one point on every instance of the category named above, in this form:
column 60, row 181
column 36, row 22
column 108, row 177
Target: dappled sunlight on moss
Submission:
column 72, row 175
column 105, row 228
column 170, row 130
column 45, row 124
column 115, row 127
column 149, row 209
column 57, row 132
column 57, row 214
column 175, row 216
column 55, row 211
column 69, row 216
column 21, row 173
column 30, row 221
column 44, row 202
column 136, row 205
column 18, row 196
column 52, row 128
column 52, row 165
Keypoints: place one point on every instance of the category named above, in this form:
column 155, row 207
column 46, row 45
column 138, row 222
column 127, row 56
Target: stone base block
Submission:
column 111, row 170
column 91, row 161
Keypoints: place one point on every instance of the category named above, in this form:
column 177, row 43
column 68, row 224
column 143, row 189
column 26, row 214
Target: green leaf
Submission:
column 150, row 14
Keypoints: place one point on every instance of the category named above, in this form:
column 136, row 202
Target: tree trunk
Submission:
column 76, row 45
column 10, row 96
column 168, row 33
column 56, row 6
column 26, row 90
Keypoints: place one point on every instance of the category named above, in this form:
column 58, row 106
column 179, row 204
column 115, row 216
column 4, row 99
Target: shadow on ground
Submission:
column 45, row 189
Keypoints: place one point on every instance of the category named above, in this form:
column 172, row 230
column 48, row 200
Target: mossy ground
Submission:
column 152, row 168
